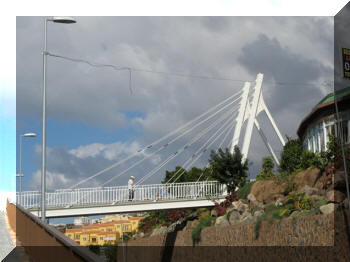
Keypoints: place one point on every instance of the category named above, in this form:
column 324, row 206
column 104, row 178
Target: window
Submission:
column 102, row 229
column 77, row 236
column 101, row 238
column 70, row 236
column 118, row 226
column 84, row 238
column 93, row 240
column 109, row 229
column 134, row 223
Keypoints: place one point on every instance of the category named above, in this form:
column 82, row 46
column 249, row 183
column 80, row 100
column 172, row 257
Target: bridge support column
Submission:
column 241, row 116
column 252, row 114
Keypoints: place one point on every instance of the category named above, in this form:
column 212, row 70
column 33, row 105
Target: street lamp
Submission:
column 20, row 175
column 62, row 20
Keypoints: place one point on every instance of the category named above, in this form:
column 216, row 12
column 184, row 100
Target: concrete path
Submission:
column 6, row 244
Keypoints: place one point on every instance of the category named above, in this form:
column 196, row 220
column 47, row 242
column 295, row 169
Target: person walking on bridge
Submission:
column 131, row 187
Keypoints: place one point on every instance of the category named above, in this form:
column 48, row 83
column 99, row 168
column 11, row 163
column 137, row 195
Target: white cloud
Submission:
column 54, row 180
column 108, row 151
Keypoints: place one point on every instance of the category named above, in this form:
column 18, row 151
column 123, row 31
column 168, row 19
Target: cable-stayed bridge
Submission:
column 220, row 126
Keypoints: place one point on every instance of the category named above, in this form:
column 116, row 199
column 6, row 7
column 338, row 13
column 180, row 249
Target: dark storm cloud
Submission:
column 281, row 65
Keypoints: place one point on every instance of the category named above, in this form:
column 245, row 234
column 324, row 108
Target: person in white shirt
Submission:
column 131, row 187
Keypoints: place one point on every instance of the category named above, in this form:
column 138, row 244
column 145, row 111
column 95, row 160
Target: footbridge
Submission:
column 106, row 200
column 218, row 127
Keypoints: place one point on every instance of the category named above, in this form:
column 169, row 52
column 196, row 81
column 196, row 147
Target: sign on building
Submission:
column 346, row 62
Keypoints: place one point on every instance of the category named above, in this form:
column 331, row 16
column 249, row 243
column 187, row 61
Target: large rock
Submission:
column 307, row 190
column 306, row 177
column 327, row 209
column 335, row 196
column 247, row 217
column 251, row 197
column 234, row 217
column 222, row 221
column 241, row 207
column 267, row 190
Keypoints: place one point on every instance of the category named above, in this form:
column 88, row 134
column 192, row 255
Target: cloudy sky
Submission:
column 94, row 120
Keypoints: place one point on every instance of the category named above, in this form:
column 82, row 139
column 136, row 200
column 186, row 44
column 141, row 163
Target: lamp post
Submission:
column 20, row 175
column 62, row 20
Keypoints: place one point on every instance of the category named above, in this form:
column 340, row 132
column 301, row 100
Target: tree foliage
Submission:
column 291, row 157
column 229, row 169
column 294, row 157
column 267, row 167
column 181, row 175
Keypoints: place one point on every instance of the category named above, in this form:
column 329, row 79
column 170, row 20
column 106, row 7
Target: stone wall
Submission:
column 312, row 238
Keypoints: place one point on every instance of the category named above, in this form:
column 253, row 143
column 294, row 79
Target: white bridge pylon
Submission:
column 249, row 111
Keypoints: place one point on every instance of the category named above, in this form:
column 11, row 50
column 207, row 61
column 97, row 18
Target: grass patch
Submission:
column 203, row 222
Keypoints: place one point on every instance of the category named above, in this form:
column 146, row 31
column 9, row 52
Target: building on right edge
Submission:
column 315, row 129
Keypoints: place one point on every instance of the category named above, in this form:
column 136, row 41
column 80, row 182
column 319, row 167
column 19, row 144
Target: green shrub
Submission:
column 244, row 191
column 307, row 159
column 294, row 157
column 203, row 222
column 291, row 156
column 305, row 203
column 267, row 167
column 300, row 201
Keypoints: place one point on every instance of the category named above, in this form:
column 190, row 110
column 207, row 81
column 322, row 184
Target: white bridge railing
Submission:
column 120, row 194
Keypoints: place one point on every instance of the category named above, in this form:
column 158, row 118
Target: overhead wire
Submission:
column 178, row 74
column 94, row 64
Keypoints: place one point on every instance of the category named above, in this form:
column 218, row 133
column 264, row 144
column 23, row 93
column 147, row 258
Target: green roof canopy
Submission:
column 330, row 97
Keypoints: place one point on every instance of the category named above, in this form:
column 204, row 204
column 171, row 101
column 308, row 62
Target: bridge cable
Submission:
column 203, row 151
column 218, row 149
column 197, row 150
column 198, row 136
column 185, row 147
column 148, row 175
column 161, row 139
column 186, row 162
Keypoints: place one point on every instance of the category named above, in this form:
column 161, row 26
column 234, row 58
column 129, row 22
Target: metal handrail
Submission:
column 120, row 194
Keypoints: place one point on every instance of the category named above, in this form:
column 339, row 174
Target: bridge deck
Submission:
column 129, row 207
column 95, row 201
